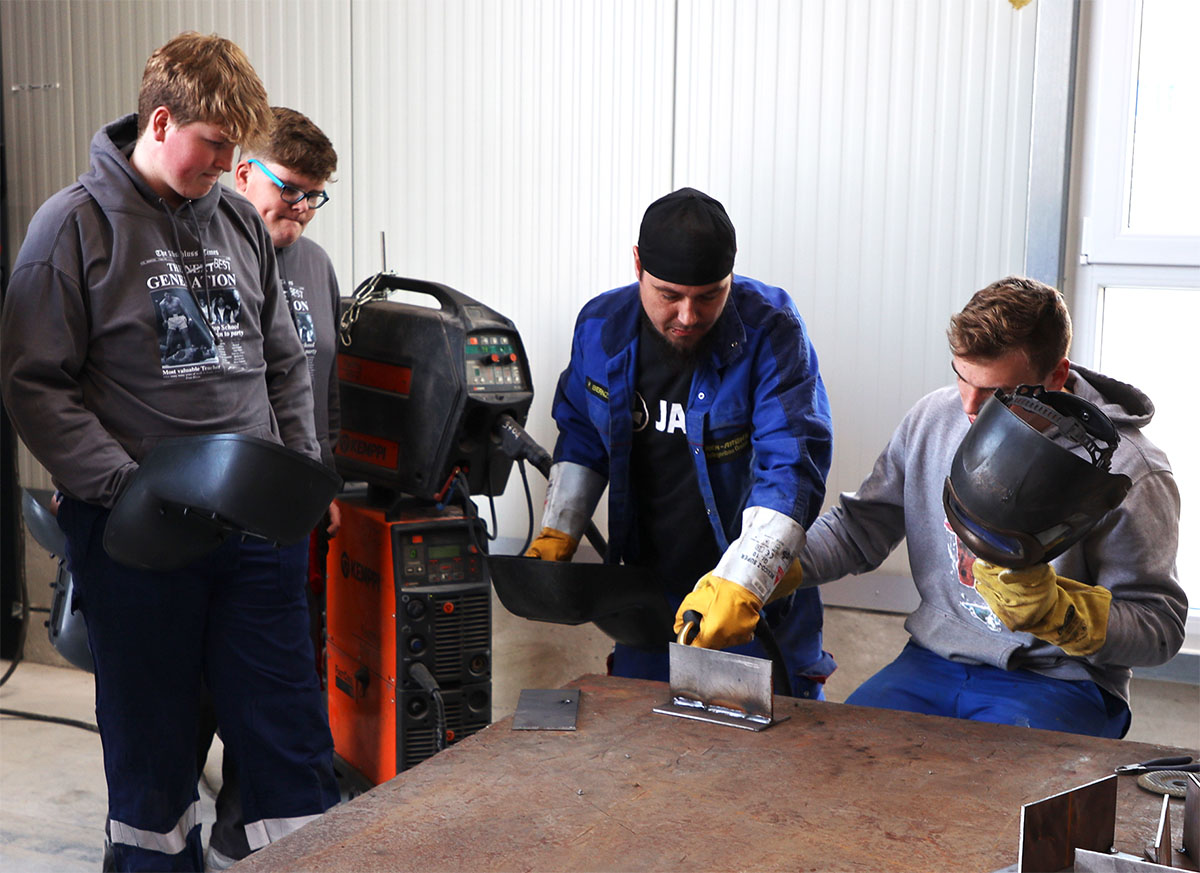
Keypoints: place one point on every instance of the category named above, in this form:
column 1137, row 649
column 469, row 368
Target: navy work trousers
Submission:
column 237, row 617
column 921, row 681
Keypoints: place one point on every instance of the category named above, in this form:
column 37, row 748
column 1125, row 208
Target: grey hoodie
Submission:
column 126, row 322
column 311, row 287
column 1131, row 551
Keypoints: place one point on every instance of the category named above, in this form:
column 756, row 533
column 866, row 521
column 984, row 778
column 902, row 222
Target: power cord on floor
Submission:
column 53, row 719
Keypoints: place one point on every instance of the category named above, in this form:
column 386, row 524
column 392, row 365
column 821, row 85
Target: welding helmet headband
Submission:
column 1017, row 495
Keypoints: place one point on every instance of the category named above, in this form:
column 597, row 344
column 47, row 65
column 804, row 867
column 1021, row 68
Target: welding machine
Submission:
column 425, row 391
column 423, row 388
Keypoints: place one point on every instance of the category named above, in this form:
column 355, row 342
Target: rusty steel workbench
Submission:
column 834, row 787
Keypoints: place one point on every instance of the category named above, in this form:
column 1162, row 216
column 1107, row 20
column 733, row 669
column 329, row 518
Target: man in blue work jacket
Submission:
column 695, row 395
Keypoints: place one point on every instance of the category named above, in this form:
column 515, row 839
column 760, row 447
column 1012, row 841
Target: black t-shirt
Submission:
column 674, row 536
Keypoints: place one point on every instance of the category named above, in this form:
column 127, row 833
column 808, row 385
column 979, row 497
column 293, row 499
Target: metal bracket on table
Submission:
column 720, row 688
column 1054, row 827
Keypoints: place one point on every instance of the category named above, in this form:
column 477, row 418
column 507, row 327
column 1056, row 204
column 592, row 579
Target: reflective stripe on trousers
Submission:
column 171, row 842
column 268, row 830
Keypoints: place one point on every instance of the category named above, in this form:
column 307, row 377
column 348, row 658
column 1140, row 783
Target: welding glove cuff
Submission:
column 1053, row 608
column 572, row 493
column 729, row 612
column 759, row 559
column 745, row 578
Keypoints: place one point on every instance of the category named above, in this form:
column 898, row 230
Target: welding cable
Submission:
column 528, row 504
column 421, row 675
column 53, row 719
column 471, row 511
column 766, row 639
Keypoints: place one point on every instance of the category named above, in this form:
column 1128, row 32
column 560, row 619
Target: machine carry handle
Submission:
column 376, row 288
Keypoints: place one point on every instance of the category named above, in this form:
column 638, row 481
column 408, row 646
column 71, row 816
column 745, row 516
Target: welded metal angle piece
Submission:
column 720, row 687
column 1191, row 819
column 1054, row 827
column 1161, row 852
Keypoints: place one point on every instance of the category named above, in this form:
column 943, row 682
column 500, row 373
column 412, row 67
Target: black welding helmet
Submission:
column 1031, row 477
column 190, row 494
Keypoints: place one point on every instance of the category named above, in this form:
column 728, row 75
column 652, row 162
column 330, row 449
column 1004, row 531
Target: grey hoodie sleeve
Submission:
column 1132, row 554
column 288, row 386
column 44, row 345
column 857, row 534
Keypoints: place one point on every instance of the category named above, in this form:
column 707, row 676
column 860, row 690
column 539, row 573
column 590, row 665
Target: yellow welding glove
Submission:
column 729, row 612
column 791, row 580
column 1061, row 611
column 552, row 545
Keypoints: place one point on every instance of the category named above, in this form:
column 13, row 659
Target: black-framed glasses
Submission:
column 290, row 194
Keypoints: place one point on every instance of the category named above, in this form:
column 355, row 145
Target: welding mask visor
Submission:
column 1031, row 477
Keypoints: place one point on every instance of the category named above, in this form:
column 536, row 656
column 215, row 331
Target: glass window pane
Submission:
column 1165, row 176
column 1147, row 338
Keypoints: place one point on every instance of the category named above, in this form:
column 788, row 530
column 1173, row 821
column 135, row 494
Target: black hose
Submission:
column 53, row 719
column 528, row 504
column 516, row 442
column 766, row 639
column 421, row 675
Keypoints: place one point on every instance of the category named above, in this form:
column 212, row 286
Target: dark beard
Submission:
column 682, row 355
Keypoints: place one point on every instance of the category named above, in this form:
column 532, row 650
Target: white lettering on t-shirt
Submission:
column 672, row 422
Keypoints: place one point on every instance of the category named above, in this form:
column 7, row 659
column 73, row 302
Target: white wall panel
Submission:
column 874, row 158
column 508, row 149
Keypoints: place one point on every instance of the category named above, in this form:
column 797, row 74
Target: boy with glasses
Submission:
column 285, row 179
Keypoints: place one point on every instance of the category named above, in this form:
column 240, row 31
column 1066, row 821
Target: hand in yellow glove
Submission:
column 729, row 611
column 792, row 579
column 552, row 545
column 1061, row 611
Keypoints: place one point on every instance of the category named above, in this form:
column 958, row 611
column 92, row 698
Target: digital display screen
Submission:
column 450, row 551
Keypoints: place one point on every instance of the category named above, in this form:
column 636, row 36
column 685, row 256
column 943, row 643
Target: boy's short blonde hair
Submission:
column 209, row 79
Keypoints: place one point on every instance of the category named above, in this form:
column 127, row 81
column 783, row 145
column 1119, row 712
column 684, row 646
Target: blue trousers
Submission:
column 796, row 622
column 239, row 618
column 920, row 681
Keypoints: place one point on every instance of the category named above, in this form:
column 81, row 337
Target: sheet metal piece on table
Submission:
column 719, row 687
column 547, row 709
column 1087, row 861
column 1191, row 820
column 1054, row 827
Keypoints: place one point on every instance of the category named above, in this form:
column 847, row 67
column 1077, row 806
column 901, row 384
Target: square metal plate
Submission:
column 546, row 709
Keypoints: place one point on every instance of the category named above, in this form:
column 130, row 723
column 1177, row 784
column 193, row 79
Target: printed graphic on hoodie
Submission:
column 197, row 313
column 963, row 560
column 302, row 316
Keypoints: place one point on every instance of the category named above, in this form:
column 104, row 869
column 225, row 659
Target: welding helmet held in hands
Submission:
column 1020, row 490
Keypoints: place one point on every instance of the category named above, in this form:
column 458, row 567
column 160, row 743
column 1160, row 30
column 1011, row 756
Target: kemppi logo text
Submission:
column 352, row 569
column 361, row 448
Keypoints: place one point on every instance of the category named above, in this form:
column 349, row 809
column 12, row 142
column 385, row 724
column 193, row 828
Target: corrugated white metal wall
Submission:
column 874, row 154
column 874, row 157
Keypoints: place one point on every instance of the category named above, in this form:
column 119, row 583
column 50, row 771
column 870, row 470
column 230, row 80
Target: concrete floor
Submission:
column 52, row 793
